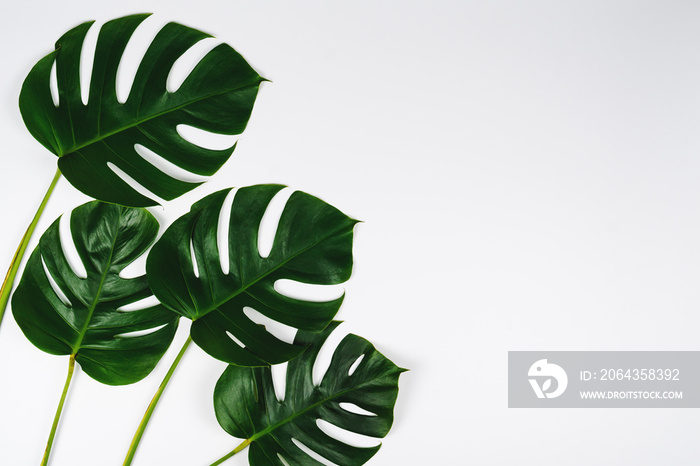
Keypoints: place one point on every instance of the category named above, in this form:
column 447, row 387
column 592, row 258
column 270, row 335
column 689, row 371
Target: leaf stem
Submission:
column 229, row 455
column 57, row 417
column 14, row 265
column 152, row 405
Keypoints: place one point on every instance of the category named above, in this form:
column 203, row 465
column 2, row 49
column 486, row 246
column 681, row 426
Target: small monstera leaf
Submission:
column 313, row 244
column 90, row 318
column 98, row 143
column 280, row 432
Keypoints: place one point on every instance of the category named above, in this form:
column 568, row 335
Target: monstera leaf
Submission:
column 313, row 244
column 93, row 318
column 99, row 142
column 281, row 433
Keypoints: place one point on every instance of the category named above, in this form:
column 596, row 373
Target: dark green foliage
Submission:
column 247, row 408
column 217, row 96
column 313, row 244
column 91, row 326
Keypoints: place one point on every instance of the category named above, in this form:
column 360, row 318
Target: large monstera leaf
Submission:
column 96, row 319
column 247, row 408
column 313, row 244
column 95, row 142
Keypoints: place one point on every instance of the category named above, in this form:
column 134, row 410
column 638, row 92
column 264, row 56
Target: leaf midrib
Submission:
column 321, row 402
column 93, row 306
column 244, row 289
column 142, row 120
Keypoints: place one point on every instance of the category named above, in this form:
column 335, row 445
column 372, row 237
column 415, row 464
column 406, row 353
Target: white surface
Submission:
column 528, row 177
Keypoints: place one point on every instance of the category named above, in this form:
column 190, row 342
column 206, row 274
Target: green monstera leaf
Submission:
column 281, row 433
column 99, row 320
column 103, row 143
column 313, row 244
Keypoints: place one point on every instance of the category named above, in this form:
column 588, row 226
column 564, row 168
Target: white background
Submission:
column 528, row 177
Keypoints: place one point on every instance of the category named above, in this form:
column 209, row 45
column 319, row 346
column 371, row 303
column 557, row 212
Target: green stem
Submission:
column 14, row 265
column 229, row 455
column 152, row 406
column 57, row 417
